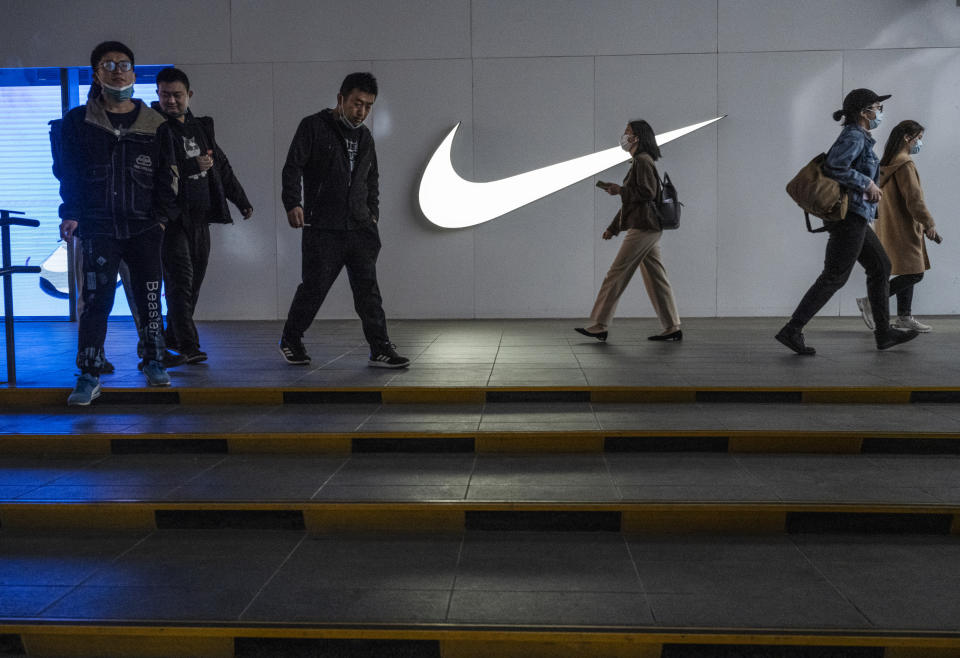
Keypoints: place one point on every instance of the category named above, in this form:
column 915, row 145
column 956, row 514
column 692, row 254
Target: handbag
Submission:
column 667, row 204
column 818, row 194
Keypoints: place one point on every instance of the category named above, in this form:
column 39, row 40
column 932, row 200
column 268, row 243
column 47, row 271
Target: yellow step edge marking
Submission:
column 106, row 516
column 638, row 636
column 134, row 646
column 696, row 521
column 251, row 396
column 459, row 395
column 445, row 515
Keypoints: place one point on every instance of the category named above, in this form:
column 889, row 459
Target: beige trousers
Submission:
column 639, row 249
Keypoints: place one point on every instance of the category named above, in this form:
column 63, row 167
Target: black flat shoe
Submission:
column 602, row 336
column 891, row 337
column 672, row 336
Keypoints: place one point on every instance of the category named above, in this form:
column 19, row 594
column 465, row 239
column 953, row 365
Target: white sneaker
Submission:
column 908, row 322
column 863, row 303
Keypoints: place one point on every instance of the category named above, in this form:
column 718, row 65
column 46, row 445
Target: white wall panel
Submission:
column 779, row 107
column 241, row 281
column 760, row 25
column 641, row 88
column 301, row 90
column 62, row 33
column 312, row 30
column 529, row 113
column 925, row 85
column 424, row 271
column 541, row 28
column 536, row 82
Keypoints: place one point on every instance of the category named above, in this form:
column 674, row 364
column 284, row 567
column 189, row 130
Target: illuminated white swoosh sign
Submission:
column 449, row 201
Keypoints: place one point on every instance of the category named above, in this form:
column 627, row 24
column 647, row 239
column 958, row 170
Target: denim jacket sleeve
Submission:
column 842, row 157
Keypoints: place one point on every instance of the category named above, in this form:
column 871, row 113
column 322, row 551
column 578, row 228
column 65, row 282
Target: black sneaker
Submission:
column 793, row 338
column 169, row 360
column 195, row 356
column 385, row 356
column 890, row 337
column 294, row 352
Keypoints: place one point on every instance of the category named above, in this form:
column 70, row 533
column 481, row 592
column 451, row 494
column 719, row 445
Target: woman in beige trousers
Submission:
column 640, row 246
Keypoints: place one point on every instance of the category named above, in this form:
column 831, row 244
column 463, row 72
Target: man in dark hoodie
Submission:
column 339, row 205
column 206, row 183
column 118, row 189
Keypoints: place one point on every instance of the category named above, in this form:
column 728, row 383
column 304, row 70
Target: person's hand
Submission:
column 205, row 162
column 873, row 193
column 932, row 234
column 67, row 228
column 613, row 189
column 295, row 217
column 247, row 213
column 607, row 235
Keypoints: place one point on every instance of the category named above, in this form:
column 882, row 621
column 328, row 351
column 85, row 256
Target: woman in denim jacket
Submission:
column 852, row 162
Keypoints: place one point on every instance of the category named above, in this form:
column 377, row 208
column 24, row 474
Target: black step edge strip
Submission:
column 766, row 651
column 898, row 446
column 201, row 519
column 332, row 397
column 868, row 523
column 414, row 445
column 749, row 396
column 666, row 444
column 549, row 521
column 168, row 446
column 538, row 396
column 256, row 647
column 935, row 396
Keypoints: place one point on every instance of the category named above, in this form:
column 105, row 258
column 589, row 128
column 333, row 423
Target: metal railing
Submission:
column 6, row 272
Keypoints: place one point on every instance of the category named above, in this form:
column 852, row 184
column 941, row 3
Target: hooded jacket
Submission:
column 224, row 185
column 333, row 198
column 115, row 182
column 902, row 216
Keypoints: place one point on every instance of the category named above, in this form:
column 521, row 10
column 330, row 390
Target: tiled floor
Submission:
column 610, row 477
column 476, row 578
column 715, row 352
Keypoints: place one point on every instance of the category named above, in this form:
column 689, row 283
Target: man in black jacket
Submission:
column 118, row 189
column 339, row 206
column 206, row 183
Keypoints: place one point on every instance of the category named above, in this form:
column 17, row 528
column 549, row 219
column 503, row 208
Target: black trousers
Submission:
column 101, row 261
column 186, row 252
column 902, row 287
column 851, row 241
column 325, row 254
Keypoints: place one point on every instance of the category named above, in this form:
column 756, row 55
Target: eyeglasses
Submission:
column 125, row 65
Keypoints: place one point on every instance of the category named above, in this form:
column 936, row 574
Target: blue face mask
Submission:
column 876, row 120
column 118, row 94
column 916, row 147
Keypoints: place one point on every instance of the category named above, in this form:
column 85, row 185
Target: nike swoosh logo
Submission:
column 450, row 201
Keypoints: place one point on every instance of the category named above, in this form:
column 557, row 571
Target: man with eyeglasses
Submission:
column 118, row 188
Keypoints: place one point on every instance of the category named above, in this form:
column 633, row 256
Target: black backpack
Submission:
column 667, row 204
column 56, row 146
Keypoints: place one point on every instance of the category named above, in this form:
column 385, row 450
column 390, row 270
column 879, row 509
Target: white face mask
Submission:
column 347, row 122
column 916, row 147
column 626, row 141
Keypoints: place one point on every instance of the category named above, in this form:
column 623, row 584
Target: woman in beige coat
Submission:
column 903, row 219
column 640, row 247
